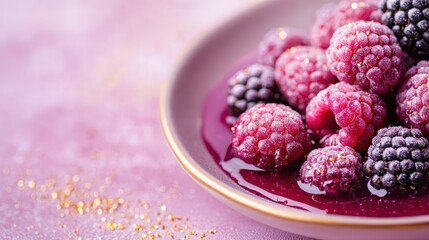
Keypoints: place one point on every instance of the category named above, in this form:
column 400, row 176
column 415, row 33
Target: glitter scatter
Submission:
column 74, row 198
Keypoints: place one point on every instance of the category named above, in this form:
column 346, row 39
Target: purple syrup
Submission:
column 282, row 187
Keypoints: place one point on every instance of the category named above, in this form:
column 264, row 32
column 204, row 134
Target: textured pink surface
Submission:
column 82, row 154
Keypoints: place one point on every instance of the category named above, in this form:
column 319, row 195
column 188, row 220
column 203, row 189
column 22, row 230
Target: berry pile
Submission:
column 323, row 103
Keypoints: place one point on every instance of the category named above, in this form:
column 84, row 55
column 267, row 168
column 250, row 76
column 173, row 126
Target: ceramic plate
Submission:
column 181, row 114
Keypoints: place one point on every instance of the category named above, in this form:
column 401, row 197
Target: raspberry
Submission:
column 323, row 28
column 302, row 72
column 420, row 67
column 354, row 10
column 252, row 85
column 332, row 17
column 398, row 159
column 270, row 136
column 409, row 21
column 345, row 114
column 276, row 41
column 366, row 54
column 412, row 102
column 334, row 170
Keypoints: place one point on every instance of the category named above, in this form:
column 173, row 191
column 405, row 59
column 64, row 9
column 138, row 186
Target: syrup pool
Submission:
column 282, row 187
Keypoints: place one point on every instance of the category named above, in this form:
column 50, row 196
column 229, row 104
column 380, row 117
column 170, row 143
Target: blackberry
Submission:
column 409, row 20
column 250, row 86
column 398, row 160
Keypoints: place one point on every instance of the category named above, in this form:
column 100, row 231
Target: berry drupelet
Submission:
column 250, row 86
column 409, row 20
column 398, row 159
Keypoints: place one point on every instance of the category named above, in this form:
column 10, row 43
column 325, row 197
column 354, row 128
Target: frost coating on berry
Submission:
column 250, row 86
column 323, row 28
column 409, row 21
column 302, row 72
column 398, row 159
column 420, row 67
column 334, row 170
column 366, row 54
column 276, row 41
column 346, row 114
column 270, row 136
column 331, row 17
column 354, row 10
column 412, row 102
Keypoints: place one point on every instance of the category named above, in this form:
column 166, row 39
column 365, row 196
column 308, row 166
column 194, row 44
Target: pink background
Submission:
column 82, row 153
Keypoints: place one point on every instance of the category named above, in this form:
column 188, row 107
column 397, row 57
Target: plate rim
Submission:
column 247, row 200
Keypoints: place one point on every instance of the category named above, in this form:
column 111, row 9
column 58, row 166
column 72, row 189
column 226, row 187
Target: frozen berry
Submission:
column 366, row 54
column 276, row 41
column 333, row 170
column 409, row 20
column 398, row 159
column 332, row 17
column 420, row 67
column 412, row 102
column 302, row 72
column 354, row 10
column 323, row 28
column 345, row 114
column 250, row 86
column 270, row 136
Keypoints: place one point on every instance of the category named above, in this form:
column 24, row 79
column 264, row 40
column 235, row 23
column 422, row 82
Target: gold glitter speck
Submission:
column 282, row 34
column 75, row 178
column 31, row 184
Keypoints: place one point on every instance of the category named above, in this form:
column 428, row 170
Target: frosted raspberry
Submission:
column 334, row 170
column 366, row 54
column 354, row 10
column 420, row 67
column 302, row 72
column 323, row 28
column 276, row 41
column 270, row 136
column 345, row 114
column 332, row 17
column 412, row 102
